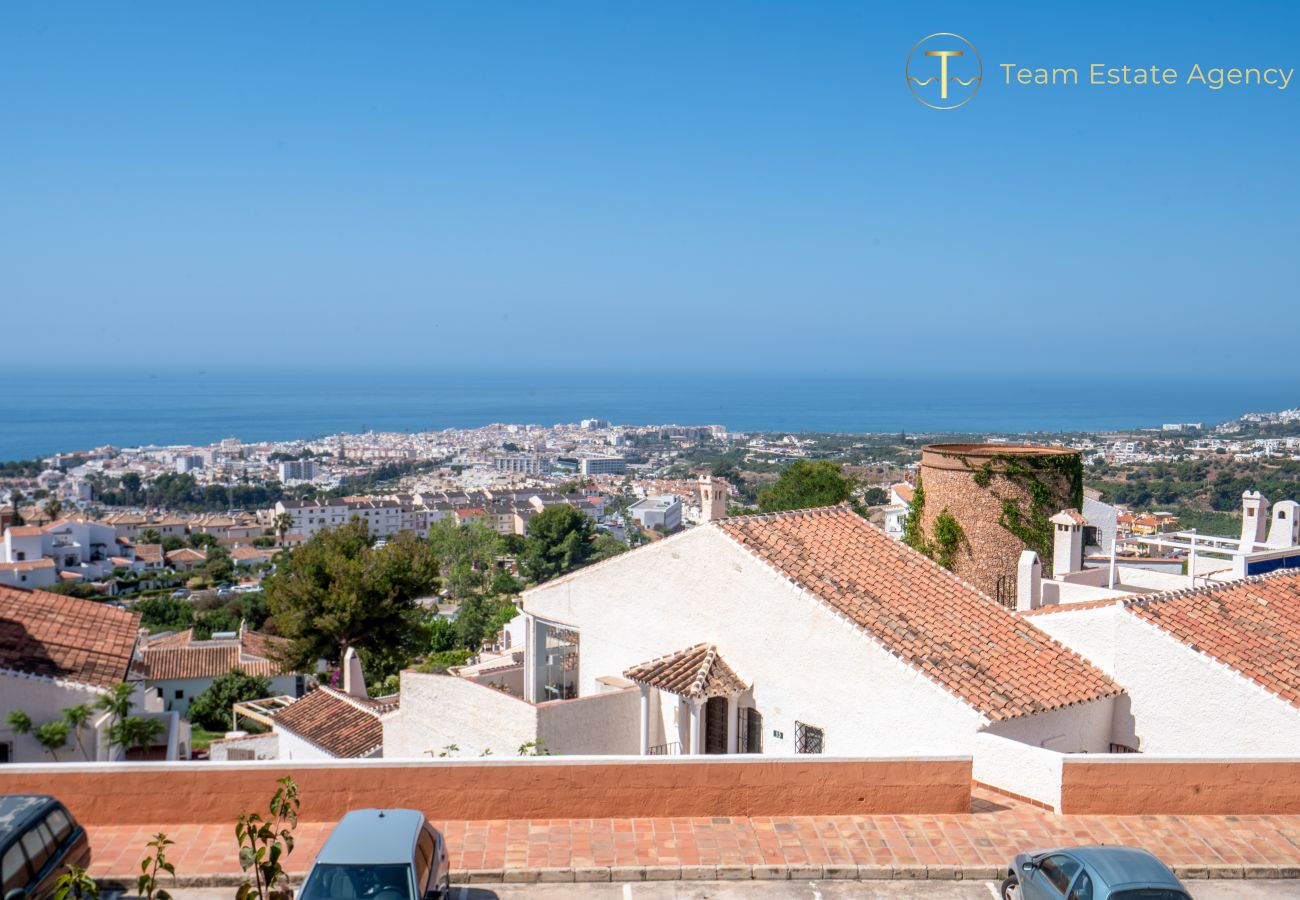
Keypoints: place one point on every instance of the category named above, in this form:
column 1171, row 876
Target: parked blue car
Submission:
column 1091, row 873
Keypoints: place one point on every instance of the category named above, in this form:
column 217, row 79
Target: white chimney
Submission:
column 1029, row 581
column 1286, row 530
column 1067, row 544
column 1254, row 519
column 354, row 682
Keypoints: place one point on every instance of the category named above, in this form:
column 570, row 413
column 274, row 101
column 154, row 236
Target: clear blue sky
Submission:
column 708, row 185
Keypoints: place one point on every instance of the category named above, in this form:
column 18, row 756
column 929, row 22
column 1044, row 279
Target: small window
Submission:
column 180, row 695
column 13, row 869
column 60, row 825
column 808, row 738
column 749, row 734
column 6, row 752
column 1059, row 871
column 39, row 846
column 423, row 860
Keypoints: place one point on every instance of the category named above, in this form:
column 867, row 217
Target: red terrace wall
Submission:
column 1133, row 787
column 166, row 794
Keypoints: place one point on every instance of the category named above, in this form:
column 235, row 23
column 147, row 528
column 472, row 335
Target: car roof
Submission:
column 17, row 811
column 1120, row 866
column 374, row 836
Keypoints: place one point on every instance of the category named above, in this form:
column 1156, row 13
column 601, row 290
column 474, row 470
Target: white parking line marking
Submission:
column 992, row 890
column 627, row 891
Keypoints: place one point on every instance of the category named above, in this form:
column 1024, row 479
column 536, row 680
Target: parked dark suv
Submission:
column 39, row 839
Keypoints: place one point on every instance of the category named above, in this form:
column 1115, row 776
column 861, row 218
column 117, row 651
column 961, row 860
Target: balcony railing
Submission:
column 670, row 749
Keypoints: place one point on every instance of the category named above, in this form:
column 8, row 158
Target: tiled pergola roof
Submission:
column 694, row 672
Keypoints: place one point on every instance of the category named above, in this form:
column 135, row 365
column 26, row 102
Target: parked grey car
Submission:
column 380, row 854
column 1091, row 873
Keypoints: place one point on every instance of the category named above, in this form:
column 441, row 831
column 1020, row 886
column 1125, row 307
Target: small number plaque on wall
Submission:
column 779, row 735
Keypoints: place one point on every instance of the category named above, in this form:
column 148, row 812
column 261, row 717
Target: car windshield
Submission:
column 1150, row 894
column 358, row 882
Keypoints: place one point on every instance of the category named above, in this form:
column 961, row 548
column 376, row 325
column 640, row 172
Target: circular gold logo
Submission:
column 944, row 70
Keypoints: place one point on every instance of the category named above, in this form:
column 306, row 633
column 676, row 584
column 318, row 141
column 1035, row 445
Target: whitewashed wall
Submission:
column 1019, row 768
column 44, row 700
column 804, row 662
column 599, row 724
column 1084, row 728
column 1181, row 701
column 437, row 710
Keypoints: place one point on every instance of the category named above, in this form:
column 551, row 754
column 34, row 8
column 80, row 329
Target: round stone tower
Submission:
column 978, row 506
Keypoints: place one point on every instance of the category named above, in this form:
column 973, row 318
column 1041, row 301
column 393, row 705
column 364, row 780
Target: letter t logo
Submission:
column 943, row 68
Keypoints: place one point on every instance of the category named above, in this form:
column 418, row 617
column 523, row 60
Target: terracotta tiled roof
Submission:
column 27, row 565
column 922, row 613
column 694, row 672
column 149, row 552
column 904, row 490
column 24, row 531
column 339, row 724
column 180, row 656
column 63, row 637
column 1252, row 625
column 186, row 554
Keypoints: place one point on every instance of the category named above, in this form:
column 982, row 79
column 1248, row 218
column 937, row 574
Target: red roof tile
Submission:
column 339, row 724
column 180, row 656
column 1252, row 626
column 922, row 613
column 694, row 672
column 63, row 637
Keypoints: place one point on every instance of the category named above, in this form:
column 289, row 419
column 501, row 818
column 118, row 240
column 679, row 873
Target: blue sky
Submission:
column 727, row 185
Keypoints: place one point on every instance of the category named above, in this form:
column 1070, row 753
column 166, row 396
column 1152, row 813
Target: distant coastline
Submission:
column 43, row 413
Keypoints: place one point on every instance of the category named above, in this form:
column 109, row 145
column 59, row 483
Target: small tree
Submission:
column 78, row 717
column 19, row 722
column 52, row 508
column 262, row 843
column 150, row 536
column 147, row 882
column 75, row 884
column 52, row 736
column 283, row 522
column 559, row 539
column 807, row 483
column 136, row 732
column 15, row 498
column 211, row 709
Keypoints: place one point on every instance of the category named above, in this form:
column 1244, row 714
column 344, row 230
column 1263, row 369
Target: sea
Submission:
column 49, row 410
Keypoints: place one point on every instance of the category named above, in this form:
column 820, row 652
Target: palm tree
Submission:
column 138, row 733
column 77, row 718
column 52, row 508
column 150, row 536
column 19, row 722
column 52, row 736
column 283, row 522
column 16, row 497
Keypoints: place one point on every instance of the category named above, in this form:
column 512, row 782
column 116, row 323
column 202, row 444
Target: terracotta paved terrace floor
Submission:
column 990, row 835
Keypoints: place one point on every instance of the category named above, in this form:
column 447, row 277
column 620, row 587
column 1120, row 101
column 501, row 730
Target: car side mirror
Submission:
column 1028, row 866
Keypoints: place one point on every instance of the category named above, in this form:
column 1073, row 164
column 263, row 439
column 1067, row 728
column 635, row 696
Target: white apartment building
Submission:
column 298, row 470
column 663, row 511
column 35, row 557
